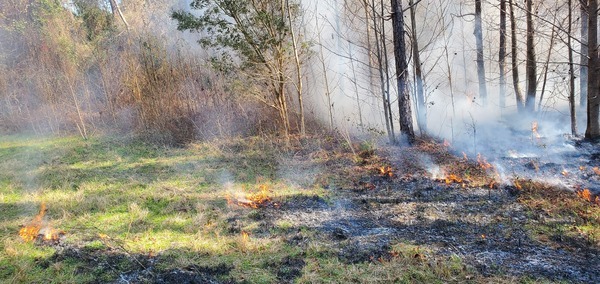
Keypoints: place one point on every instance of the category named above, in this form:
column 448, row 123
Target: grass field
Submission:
column 126, row 206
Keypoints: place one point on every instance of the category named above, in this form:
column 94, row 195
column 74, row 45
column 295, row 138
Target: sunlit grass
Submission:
column 134, row 197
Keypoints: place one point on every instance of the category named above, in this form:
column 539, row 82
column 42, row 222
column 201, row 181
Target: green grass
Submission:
column 138, row 198
column 120, row 198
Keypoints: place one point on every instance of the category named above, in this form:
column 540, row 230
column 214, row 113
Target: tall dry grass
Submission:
column 66, row 73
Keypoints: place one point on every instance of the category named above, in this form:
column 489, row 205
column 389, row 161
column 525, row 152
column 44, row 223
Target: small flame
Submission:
column 452, row 178
column 518, row 185
column 252, row 200
column 483, row 163
column 582, row 168
column 587, row 195
column 36, row 229
column 565, row 173
column 534, row 130
column 386, row 171
column 596, row 170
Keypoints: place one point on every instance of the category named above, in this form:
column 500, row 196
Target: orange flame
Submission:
column 596, row 170
column 483, row 163
column 36, row 228
column 565, row 173
column 534, row 130
column 518, row 185
column 452, row 178
column 587, row 195
column 252, row 200
column 386, row 171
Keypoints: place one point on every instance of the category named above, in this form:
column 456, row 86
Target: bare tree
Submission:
column 571, row 72
column 116, row 10
column 593, row 98
column 583, row 64
column 502, row 55
column 406, row 123
column 298, row 84
column 419, row 76
column 531, row 66
column 480, row 61
column 514, row 63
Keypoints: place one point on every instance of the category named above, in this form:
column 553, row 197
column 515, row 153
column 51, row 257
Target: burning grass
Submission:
column 38, row 230
column 562, row 215
column 256, row 199
column 130, row 208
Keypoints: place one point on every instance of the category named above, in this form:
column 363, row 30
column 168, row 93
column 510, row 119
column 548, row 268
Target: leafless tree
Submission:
column 480, row 61
column 593, row 98
column 406, row 123
column 531, row 65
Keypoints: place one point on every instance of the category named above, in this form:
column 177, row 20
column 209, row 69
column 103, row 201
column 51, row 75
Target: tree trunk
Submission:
column 480, row 61
column 547, row 65
column 593, row 104
column 502, row 56
column 531, row 72
column 419, row 77
column 571, row 73
column 384, row 93
column 116, row 10
column 583, row 64
column 406, row 123
column 514, row 63
column 298, row 69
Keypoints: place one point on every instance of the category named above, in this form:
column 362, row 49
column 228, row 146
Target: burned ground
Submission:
column 353, row 214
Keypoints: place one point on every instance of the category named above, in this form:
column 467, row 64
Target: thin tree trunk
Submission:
column 116, row 10
column 480, row 61
column 378, row 42
column 593, row 104
column 386, row 67
column 419, row 77
column 406, row 123
column 583, row 64
column 355, row 84
column 514, row 61
column 547, row 65
column 298, row 69
column 325, row 78
column 531, row 72
column 502, row 56
column 571, row 73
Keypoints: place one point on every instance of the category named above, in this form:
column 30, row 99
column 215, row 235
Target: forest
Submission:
column 299, row 141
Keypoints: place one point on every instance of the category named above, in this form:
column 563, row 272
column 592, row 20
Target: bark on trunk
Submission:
column 583, row 64
column 480, row 61
column 406, row 124
column 514, row 63
column 502, row 56
column 419, row 78
column 531, row 68
column 593, row 107
column 571, row 72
